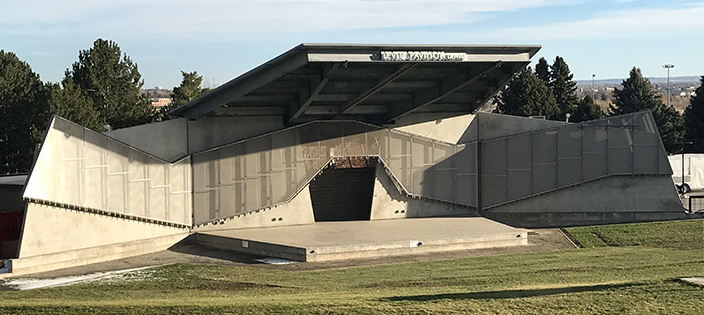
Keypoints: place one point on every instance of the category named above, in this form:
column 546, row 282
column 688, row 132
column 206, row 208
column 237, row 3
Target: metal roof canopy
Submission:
column 378, row 84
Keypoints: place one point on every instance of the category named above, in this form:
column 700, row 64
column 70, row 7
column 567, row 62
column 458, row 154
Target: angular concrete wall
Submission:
column 167, row 140
column 298, row 211
column 175, row 139
column 210, row 132
column 449, row 129
column 611, row 200
column 56, row 237
column 389, row 202
column 536, row 162
column 488, row 126
column 81, row 168
column 269, row 170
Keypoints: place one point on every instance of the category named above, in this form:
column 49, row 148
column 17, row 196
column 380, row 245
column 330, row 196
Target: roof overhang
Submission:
column 379, row 84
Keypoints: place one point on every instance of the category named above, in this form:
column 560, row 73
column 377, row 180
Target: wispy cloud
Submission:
column 681, row 21
column 212, row 19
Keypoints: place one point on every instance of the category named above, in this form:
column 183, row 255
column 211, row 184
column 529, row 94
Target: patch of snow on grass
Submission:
column 31, row 283
column 276, row 261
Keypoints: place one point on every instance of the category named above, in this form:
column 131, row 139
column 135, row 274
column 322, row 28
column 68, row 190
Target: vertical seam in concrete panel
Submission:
column 532, row 173
column 126, row 185
column 556, row 181
column 81, row 168
column 480, row 206
column 608, row 128
column 506, row 168
column 193, row 199
column 405, row 157
column 148, row 190
column 581, row 152
column 633, row 143
column 167, row 194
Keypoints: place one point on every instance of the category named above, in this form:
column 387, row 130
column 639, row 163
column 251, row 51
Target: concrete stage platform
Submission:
column 366, row 239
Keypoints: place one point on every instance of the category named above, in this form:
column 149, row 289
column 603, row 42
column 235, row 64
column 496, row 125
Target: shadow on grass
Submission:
column 508, row 294
column 214, row 253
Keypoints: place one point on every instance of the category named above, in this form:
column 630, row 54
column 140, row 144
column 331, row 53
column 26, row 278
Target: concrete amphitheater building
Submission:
column 327, row 152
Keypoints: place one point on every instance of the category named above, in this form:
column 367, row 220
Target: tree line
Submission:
column 102, row 90
column 550, row 92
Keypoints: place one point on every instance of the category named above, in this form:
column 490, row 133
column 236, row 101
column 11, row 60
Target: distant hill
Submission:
column 694, row 80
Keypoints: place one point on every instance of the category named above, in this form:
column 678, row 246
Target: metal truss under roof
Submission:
column 378, row 84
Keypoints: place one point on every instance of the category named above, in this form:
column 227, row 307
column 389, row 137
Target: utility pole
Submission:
column 593, row 76
column 668, row 67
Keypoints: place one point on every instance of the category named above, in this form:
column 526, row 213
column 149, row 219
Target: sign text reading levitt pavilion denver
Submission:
column 422, row 56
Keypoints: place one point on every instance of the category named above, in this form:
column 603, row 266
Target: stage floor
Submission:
column 365, row 239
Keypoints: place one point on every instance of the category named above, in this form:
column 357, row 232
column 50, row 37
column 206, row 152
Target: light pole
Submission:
column 593, row 76
column 668, row 67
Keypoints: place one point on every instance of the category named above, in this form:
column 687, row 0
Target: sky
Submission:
column 223, row 39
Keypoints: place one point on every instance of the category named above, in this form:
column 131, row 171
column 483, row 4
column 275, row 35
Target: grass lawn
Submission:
column 624, row 269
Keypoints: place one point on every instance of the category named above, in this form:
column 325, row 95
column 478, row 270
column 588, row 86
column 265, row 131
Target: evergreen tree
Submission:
column 542, row 69
column 563, row 87
column 23, row 113
column 68, row 101
column 637, row 93
column 189, row 89
column 526, row 95
column 587, row 110
column 694, row 120
column 113, row 83
column 671, row 126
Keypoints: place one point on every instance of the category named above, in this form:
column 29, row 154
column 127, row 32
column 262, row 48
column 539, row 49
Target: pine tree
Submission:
column 542, row 69
column 563, row 87
column 587, row 110
column 526, row 95
column 671, row 126
column 113, row 83
column 23, row 113
column 636, row 94
column 189, row 89
column 68, row 101
column 694, row 120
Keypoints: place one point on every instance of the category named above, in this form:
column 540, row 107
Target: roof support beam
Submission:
column 240, row 86
column 370, row 91
column 319, row 84
column 358, row 110
column 248, row 111
column 427, row 96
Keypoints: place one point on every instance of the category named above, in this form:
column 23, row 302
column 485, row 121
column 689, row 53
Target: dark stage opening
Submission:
column 344, row 190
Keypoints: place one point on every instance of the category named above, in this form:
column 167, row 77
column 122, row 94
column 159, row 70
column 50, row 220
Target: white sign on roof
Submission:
column 422, row 56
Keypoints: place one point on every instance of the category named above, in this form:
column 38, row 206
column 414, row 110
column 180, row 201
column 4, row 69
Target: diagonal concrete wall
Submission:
column 56, row 237
column 167, row 140
column 389, row 202
column 298, row 211
column 611, row 200
column 82, row 168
